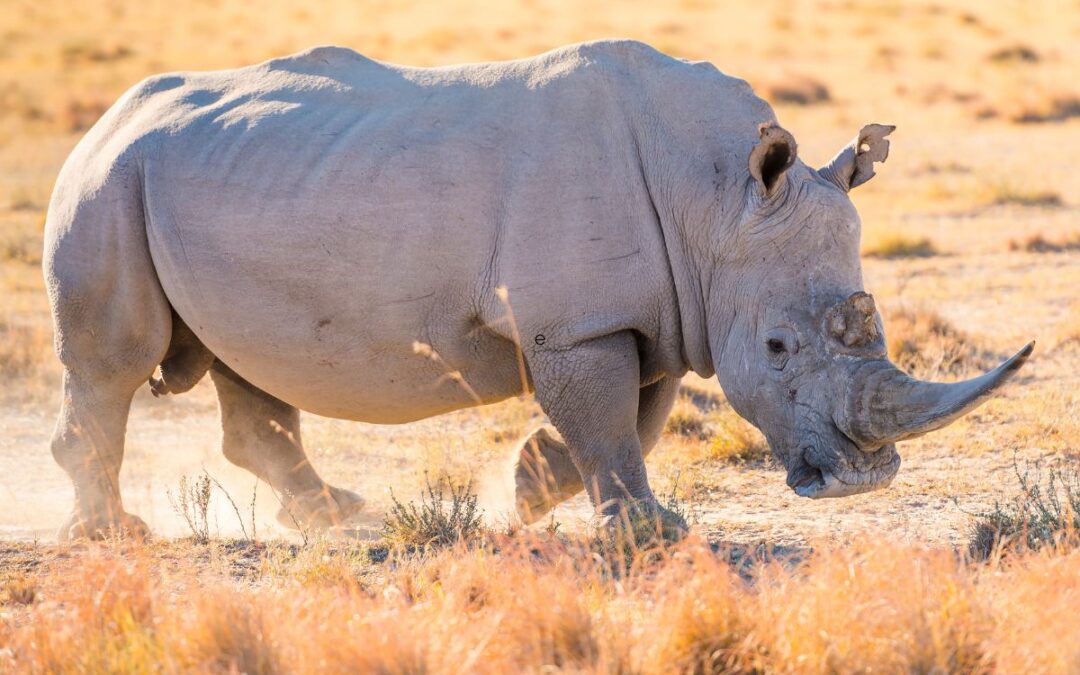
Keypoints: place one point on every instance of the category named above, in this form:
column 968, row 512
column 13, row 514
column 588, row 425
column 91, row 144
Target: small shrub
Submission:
column 429, row 523
column 192, row 503
column 901, row 246
column 1042, row 514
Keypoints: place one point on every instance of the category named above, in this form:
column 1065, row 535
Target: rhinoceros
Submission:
column 361, row 240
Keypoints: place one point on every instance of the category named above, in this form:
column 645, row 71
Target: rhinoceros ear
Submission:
column 854, row 165
column 772, row 156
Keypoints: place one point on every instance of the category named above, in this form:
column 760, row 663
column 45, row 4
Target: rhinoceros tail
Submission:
column 186, row 362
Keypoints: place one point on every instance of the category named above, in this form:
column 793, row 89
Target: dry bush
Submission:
column 900, row 246
column 925, row 345
column 1014, row 54
column 1044, row 513
column 1037, row 243
column 798, row 90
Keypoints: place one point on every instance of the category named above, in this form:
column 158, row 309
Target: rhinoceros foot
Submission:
column 328, row 508
column 640, row 523
column 122, row 525
column 544, row 476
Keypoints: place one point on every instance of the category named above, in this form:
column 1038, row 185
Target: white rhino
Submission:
column 300, row 226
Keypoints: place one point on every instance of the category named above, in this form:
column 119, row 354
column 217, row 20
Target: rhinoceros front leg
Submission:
column 590, row 393
column 262, row 434
column 544, row 474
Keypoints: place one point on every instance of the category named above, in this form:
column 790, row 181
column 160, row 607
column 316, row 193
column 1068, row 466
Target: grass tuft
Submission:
column 18, row 588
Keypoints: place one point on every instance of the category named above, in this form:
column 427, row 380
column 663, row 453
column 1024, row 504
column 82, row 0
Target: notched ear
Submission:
column 772, row 156
column 854, row 165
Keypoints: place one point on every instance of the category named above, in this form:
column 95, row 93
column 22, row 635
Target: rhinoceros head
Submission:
column 798, row 344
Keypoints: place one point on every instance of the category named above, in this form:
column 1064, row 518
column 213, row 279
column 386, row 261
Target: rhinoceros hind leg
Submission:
column 544, row 475
column 262, row 435
column 112, row 323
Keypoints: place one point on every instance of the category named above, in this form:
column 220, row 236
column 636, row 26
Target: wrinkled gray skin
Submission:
column 328, row 233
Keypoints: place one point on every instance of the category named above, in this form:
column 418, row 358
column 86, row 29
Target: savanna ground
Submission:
column 972, row 248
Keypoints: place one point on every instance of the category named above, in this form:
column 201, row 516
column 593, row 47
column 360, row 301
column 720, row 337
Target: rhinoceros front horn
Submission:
column 886, row 405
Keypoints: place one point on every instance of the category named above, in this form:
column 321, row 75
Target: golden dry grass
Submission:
column 981, row 170
column 539, row 604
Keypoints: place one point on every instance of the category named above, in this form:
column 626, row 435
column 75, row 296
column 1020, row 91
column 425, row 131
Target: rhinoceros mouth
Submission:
column 814, row 482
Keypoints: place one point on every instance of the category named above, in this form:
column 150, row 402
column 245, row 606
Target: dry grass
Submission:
column 1037, row 243
column 544, row 604
column 798, row 90
column 900, row 246
column 927, row 346
column 735, row 440
column 1006, row 193
column 717, row 433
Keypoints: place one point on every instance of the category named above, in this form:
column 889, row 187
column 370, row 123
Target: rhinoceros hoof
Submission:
column 640, row 522
column 544, row 475
column 124, row 525
column 324, row 509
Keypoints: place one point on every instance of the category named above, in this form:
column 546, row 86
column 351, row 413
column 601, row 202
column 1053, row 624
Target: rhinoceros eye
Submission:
column 780, row 344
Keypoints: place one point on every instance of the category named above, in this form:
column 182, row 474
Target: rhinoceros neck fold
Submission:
column 685, row 273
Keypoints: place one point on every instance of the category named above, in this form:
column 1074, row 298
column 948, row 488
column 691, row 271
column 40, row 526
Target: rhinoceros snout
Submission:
column 822, row 475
